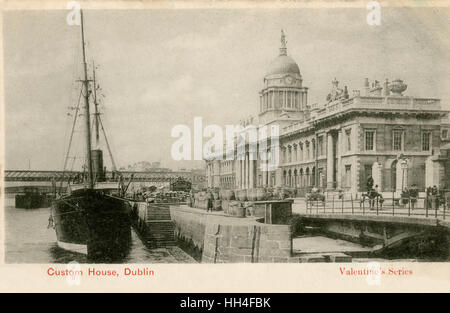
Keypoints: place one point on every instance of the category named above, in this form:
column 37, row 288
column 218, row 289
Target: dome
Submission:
column 283, row 64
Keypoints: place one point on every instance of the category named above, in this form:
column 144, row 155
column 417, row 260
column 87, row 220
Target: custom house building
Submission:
column 399, row 140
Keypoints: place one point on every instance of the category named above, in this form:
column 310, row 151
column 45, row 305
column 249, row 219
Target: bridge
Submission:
column 419, row 226
column 16, row 180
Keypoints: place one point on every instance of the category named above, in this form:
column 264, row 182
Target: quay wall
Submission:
column 189, row 225
column 225, row 239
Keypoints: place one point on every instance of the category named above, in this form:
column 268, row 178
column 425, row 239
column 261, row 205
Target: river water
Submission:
column 28, row 240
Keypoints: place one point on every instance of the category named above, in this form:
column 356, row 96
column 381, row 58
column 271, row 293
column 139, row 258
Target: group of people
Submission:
column 434, row 196
column 373, row 193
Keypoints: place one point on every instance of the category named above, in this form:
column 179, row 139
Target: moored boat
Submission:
column 94, row 216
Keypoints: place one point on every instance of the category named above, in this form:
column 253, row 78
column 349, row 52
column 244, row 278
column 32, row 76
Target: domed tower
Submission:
column 283, row 93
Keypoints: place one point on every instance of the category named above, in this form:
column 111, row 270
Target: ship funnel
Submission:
column 97, row 165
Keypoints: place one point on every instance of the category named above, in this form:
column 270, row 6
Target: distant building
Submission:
column 144, row 166
column 399, row 140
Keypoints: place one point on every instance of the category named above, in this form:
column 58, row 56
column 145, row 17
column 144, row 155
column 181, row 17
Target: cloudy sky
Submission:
column 160, row 68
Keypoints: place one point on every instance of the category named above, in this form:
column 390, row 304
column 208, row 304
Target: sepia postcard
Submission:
column 225, row 146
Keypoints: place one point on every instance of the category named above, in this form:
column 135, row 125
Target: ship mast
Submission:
column 96, row 115
column 88, row 116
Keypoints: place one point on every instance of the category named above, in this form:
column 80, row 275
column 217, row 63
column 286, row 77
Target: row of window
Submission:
column 306, row 151
column 398, row 140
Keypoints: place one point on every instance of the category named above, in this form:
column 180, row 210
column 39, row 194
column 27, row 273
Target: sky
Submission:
column 161, row 68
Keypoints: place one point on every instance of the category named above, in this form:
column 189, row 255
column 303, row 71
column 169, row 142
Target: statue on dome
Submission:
column 283, row 48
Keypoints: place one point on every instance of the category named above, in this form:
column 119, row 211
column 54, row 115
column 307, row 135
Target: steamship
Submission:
column 93, row 217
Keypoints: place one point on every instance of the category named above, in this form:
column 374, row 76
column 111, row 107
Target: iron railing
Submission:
column 428, row 207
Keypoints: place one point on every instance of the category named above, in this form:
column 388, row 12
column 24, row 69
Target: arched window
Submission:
column 307, row 150
column 313, row 148
column 307, row 178
column 301, row 151
column 301, row 178
column 295, row 152
column 313, row 176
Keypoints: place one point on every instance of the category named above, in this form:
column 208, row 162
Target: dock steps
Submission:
column 155, row 225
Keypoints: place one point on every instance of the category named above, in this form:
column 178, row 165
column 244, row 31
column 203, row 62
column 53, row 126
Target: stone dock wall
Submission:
column 224, row 239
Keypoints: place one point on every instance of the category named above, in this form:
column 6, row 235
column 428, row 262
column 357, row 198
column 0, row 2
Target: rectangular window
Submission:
column 426, row 141
column 370, row 140
column 348, row 137
column 444, row 134
column 397, row 140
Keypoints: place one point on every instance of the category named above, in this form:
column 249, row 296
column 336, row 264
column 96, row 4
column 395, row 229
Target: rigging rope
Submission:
column 71, row 137
column 107, row 145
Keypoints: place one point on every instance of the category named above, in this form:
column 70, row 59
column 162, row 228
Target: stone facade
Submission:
column 399, row 140
column 224, row 239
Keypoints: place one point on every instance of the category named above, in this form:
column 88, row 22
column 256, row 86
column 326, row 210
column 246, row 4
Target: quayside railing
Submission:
column 428, row 207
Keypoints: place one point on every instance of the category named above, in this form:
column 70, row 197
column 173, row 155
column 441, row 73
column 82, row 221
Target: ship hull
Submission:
column 90, row 222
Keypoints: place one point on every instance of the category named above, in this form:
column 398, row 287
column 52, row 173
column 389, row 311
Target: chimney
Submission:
column 366, row 86
column 386, row 88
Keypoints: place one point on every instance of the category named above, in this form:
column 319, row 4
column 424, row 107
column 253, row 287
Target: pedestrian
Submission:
column 378, row 196
column 413, row 194
column 191, row 198
column 209, row 205
column 428, row 200
column 372, row 195
column 434, row 197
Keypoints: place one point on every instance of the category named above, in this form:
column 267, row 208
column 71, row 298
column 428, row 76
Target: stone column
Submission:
column 377, row 175
column 243, row 173
column 265, row 173
column 402, row 175
column 434, row 172
column 252, row 172
column 210, row 175
column 340, row 149
column 237, row 172
column 330, row 161
column 207, row 174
